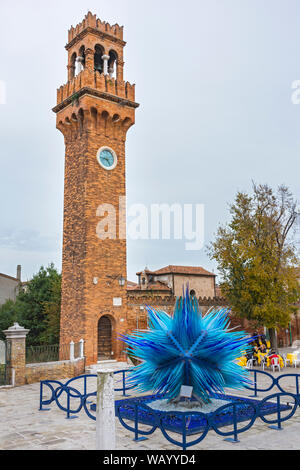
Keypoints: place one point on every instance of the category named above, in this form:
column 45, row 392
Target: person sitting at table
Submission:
column 263, row 339
column 263, row 348
column 258, row 354
column 272, row 353
column 250, row 355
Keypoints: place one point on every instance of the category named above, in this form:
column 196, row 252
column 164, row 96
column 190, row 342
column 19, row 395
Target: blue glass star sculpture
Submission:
column 188, row 349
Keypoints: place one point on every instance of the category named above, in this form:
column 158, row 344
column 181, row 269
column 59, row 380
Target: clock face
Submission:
column 107, row 158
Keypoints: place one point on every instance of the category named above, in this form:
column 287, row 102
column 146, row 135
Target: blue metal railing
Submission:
column 190, row 423
column 58, row 389
column 239, row 410
column 274, row 382
column 197, row 423
column 124, row 388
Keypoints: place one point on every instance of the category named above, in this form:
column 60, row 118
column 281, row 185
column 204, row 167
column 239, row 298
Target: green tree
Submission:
column 51, row 309
column 256, row 257
column 7, row 316
column 37, row 307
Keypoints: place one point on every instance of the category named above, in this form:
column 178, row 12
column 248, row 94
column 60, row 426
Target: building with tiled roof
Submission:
column 172, row 278
column 172, row 269
column 160, row 287
column 150, row 286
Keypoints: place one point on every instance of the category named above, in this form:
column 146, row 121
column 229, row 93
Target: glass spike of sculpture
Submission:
column 188, row 349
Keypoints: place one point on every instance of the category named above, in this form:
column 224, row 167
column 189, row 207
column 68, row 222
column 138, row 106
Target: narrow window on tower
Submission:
column 80, row 119
column 94, row 116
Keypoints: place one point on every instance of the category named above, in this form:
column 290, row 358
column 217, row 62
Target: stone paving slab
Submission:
column 23, row 426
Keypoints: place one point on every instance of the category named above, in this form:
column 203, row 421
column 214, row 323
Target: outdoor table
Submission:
column 242, row 361
column 290, row 357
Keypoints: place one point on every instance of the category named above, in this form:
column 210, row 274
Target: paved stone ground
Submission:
column 23, row 426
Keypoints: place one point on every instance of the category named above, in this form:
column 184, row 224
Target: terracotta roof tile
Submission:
column 171, row 269
column 146, row 271
column 158, row 285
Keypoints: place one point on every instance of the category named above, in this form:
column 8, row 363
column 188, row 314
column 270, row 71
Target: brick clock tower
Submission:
column 94, row 111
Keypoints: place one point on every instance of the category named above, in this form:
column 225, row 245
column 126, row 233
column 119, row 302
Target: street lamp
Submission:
column 120, row 278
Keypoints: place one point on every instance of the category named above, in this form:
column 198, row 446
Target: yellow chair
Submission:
column 242, row 361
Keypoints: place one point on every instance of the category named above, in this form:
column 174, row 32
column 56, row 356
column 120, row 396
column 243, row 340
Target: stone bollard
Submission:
column 81, row 350
column 72, row 357
column 105, row 411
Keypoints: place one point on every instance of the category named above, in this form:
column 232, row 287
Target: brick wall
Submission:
column 101, row 114
column 54, row 370
column 17, row 359
column 202, row 285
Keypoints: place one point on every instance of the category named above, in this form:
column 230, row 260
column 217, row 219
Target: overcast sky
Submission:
column 213, row 79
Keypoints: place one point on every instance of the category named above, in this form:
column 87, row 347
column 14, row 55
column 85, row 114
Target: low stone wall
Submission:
column 54, row 370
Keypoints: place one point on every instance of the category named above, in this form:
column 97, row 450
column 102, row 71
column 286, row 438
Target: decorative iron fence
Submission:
column 61, row 394
column 5, row 366
column 2, row 374
column 2, row 363
column 226, row 421
column 50, row 353
column 44, row 353
column 273, row 382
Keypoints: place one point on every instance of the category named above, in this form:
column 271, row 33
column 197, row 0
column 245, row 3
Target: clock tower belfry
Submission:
column 94, row 111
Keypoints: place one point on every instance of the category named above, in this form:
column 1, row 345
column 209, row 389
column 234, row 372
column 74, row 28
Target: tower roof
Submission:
column 101, row 28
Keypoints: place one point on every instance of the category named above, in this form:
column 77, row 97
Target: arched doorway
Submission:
column 104, row 338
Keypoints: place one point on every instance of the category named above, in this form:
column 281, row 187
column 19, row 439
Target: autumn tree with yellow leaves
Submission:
column 257, row 257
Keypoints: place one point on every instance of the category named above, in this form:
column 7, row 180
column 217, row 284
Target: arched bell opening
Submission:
column 116, row 118
column 98, row 61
